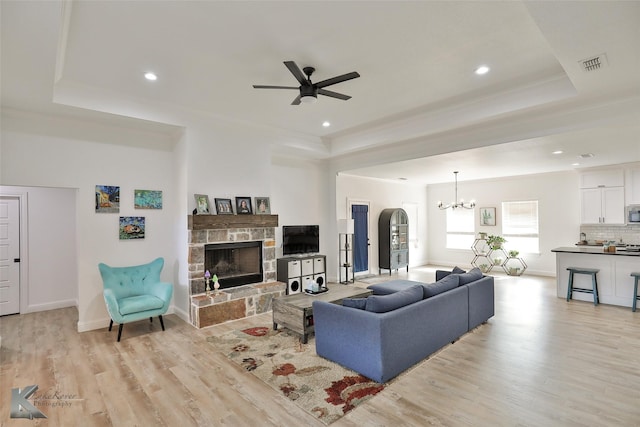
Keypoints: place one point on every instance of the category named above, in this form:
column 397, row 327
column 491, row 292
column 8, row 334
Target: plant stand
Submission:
column 482, row 252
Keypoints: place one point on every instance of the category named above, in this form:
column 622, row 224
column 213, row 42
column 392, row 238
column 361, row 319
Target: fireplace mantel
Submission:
column 221, row 222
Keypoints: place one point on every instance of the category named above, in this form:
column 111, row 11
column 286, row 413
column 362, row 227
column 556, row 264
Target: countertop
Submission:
column 594, row 250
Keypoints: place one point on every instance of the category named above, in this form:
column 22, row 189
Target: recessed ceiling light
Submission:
column 558, row 152
column 326, row 124
column 150, row 76
column 575, row 164
column 402, row 178
column 586, row 156
column 483, row 69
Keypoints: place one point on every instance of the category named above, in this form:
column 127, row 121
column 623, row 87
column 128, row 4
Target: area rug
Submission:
column 324, row 389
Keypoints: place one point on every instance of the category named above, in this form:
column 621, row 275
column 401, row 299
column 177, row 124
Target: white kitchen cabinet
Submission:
column 632, row 186
column 602, row 178
column 604, row 205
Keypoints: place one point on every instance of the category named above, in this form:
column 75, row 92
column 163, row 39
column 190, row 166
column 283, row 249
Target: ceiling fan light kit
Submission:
column 308, row 90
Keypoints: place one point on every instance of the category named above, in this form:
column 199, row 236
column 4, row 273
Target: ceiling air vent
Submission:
column 594, row 63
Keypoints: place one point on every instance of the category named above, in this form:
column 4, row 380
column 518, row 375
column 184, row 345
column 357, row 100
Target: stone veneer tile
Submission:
column 198, row 236
column 270, row 286
column 196, row 254
column 223, row 312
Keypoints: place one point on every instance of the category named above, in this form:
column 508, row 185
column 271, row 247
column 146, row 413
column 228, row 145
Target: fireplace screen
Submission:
column 235, row 264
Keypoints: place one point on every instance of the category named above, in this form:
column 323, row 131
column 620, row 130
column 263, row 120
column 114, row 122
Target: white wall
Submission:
column 48, row 252
column 382, row 195
column 299, row 196
column 57, row 152
column 558, row 212
column 208, row 156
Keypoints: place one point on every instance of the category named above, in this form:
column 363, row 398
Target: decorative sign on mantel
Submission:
column 221, row 222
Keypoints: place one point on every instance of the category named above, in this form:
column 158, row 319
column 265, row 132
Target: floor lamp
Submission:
column 345, row 228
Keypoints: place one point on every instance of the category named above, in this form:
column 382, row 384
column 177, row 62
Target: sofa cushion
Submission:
column 360, row 303
column 457, row 270
column 470, row 276
column 392, row 286
column 443, row 285
column 384, row 303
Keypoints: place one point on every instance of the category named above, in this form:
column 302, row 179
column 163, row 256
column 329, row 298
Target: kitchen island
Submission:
column 615, row 284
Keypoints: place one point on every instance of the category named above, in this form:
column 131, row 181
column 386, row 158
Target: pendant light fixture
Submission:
column 455, row 204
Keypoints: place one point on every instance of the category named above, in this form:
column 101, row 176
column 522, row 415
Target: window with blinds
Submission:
column 520, row 225
column 460, row 228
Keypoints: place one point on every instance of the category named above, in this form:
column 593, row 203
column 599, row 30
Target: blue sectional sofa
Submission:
column 402, row 323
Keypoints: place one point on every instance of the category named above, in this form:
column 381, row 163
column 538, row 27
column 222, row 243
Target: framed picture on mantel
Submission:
column 243, row 206
column 224, row 206
column 263, row 207
column 202, row 204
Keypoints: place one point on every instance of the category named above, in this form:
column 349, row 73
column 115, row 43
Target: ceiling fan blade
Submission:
column 333, row 94
column 274, row 87
column 297, row 73
column 338, row 79
column 296, row 101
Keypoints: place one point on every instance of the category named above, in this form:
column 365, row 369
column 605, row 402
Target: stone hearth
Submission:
column 234, row 303
column 238, row 302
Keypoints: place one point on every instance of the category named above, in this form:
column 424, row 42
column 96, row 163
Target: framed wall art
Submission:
column 132, row 227
column 147, row 199
column 263, row 207
column 202, row 204
column 243, row 206
column 107, row 199
column 224, row 206
column 487, row 216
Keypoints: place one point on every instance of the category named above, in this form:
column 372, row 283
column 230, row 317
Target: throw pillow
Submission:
column 392, row 286
column 359, row 303
column 457, row 270
column 443, row 285
column 470, row 276
column 384, row 303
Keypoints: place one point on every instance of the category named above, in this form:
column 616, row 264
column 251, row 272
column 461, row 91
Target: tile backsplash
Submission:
column 629, row 234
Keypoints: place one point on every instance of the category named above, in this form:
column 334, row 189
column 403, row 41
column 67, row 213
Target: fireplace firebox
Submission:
column 235, row 263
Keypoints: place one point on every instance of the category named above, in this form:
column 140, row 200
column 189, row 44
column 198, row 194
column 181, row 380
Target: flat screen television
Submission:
column 300, row 239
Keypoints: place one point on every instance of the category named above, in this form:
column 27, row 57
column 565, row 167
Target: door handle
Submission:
column 16, row 260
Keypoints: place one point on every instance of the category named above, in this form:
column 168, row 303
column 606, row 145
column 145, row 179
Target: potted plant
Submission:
column 484, row 268
column 495, row 242
column 514, row 271
column 497, row 261
column 482, row 235
column 513, row 253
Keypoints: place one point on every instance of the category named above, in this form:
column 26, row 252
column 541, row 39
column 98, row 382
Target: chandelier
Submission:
column 461, row 203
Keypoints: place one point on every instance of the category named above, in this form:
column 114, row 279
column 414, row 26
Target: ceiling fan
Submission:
column 309, row 91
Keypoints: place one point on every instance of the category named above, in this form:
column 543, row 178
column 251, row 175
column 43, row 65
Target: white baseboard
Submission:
column 180, row 313
column 33, row 308
column 94, row 324
column 104, row 322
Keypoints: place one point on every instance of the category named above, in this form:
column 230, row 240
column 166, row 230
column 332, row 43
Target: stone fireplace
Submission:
column 240, row 249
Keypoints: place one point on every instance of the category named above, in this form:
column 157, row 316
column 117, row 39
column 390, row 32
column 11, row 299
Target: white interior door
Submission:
column 9, row 255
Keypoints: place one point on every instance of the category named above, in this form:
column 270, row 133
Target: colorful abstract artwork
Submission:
column 132, row 227
column 107, row 199
column 147, row 199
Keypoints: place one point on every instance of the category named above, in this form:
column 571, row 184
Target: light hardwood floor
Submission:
column 539, row 362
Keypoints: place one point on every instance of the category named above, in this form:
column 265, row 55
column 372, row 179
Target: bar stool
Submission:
column 594, row 280
column 635, row 290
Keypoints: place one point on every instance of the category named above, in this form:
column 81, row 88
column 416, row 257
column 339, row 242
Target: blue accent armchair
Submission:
column 133, row 293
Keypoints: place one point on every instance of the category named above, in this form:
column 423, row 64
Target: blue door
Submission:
column 360, row 215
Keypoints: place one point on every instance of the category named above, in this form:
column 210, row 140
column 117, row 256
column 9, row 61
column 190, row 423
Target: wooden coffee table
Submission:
column 295, row 311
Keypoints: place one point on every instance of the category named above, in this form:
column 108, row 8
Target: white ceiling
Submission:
column 418, row 111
